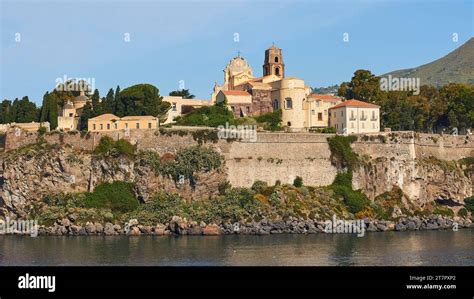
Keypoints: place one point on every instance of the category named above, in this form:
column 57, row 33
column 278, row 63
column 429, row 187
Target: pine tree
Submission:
column 109, row 102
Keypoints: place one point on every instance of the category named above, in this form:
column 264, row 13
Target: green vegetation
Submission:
column 208, row 116
column 433, row 109
column 184, row 93
column 341, row 152
column 270, row 121
column 469, row 204
column 117, row 196
column 463, row 212
column 108, row 147
column 298, row 182
column 189, row 161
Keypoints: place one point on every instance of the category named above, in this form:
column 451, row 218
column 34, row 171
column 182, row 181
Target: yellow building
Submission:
column 109, row 122
column 355, row 116
column 70, row 113
column 318, row 107
column 247, row 95
column 180, row 106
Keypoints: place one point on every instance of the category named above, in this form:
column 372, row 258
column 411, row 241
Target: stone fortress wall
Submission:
column 276, row 156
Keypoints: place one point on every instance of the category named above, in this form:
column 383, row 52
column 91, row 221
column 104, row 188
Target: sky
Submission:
column 176, row 43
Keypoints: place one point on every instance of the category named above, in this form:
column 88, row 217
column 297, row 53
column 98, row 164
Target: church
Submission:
column 247, row 95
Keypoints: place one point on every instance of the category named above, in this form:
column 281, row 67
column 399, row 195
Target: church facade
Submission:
column 247, row 95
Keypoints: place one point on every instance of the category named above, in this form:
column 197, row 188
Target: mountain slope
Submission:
column 457, row 66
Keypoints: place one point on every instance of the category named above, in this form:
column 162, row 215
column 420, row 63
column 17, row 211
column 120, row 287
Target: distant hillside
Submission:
column 457, row 66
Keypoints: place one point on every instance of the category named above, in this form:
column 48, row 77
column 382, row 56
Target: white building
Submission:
column 180, row 106
column 353, row 117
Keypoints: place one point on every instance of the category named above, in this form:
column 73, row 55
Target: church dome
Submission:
column 237, row 65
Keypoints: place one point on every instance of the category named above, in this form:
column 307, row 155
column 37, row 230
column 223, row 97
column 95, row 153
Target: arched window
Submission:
column 289, row 103
column 277, row 71
column 275, row 104
column 276, row 59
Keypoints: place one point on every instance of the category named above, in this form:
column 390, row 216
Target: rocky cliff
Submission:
column 30, row 173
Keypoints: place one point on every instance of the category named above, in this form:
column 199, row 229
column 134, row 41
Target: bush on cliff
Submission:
column 270, row 121
column 469, row 204
column 208, row 116
column 189, row 161
column 108, row 147
column 341, row 151
column 117, row 196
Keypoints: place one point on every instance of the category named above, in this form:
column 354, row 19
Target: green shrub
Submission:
column 469, row 204
column 443, row 210
column 117, row 196
column 463, row 212
column 108, row 147
column 341, row 151
column 298, row 182
column 209, row 116
column 259, row 186
column 355, row 200
column 191, row 160
column 41, row 130
column 271, row 121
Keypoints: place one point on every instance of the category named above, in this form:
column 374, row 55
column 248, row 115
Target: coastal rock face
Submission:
column 422, row 181
column 27, row 176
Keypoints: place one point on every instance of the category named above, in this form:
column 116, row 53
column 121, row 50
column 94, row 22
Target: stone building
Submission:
column 70, row 114
column 353, row 116
column 181, row 106
column 247, row 95
column 109, row 122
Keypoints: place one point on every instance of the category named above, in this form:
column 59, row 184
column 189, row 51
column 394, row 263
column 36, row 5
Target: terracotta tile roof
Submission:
column 235, row 93
column 355, row 103
column 137, row 117
column 106, row 116
column 325, row 97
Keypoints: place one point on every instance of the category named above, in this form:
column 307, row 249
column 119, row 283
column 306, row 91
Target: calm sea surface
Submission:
column 389, row 248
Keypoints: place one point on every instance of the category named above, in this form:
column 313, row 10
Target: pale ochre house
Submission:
column 354, row 117
column 109, row 122
column 180, row 106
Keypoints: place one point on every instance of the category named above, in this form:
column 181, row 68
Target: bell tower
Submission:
column 273, row 64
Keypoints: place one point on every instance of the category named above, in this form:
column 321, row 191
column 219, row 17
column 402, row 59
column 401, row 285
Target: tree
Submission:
column 87, row 113
column 108, row 106
column 184, row 93
column 96, row 104
column 119, row 108
column 5, row 111
column 143, row 99
column 364, row 86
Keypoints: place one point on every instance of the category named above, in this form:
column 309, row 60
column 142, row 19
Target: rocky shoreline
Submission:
column 181, row 226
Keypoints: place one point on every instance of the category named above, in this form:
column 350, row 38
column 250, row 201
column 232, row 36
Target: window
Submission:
column 248, row 109
column 275, row 104
column 289, row 103
column 342, row 113
column 115, row 126
column 313, row 112
column 318, row 103
column 137, row 125
column 126, row 125
column 276, row 59
column 93, row 126
column 174, row 106
column 149, row 125
column 71, row 114
column 320, row 116
column 352, row 115
column 101, row 126
column 289, row 124
column 277, row 71
column 108, row 126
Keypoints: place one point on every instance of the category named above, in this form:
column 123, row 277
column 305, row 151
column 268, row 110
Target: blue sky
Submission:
column 194, row 40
